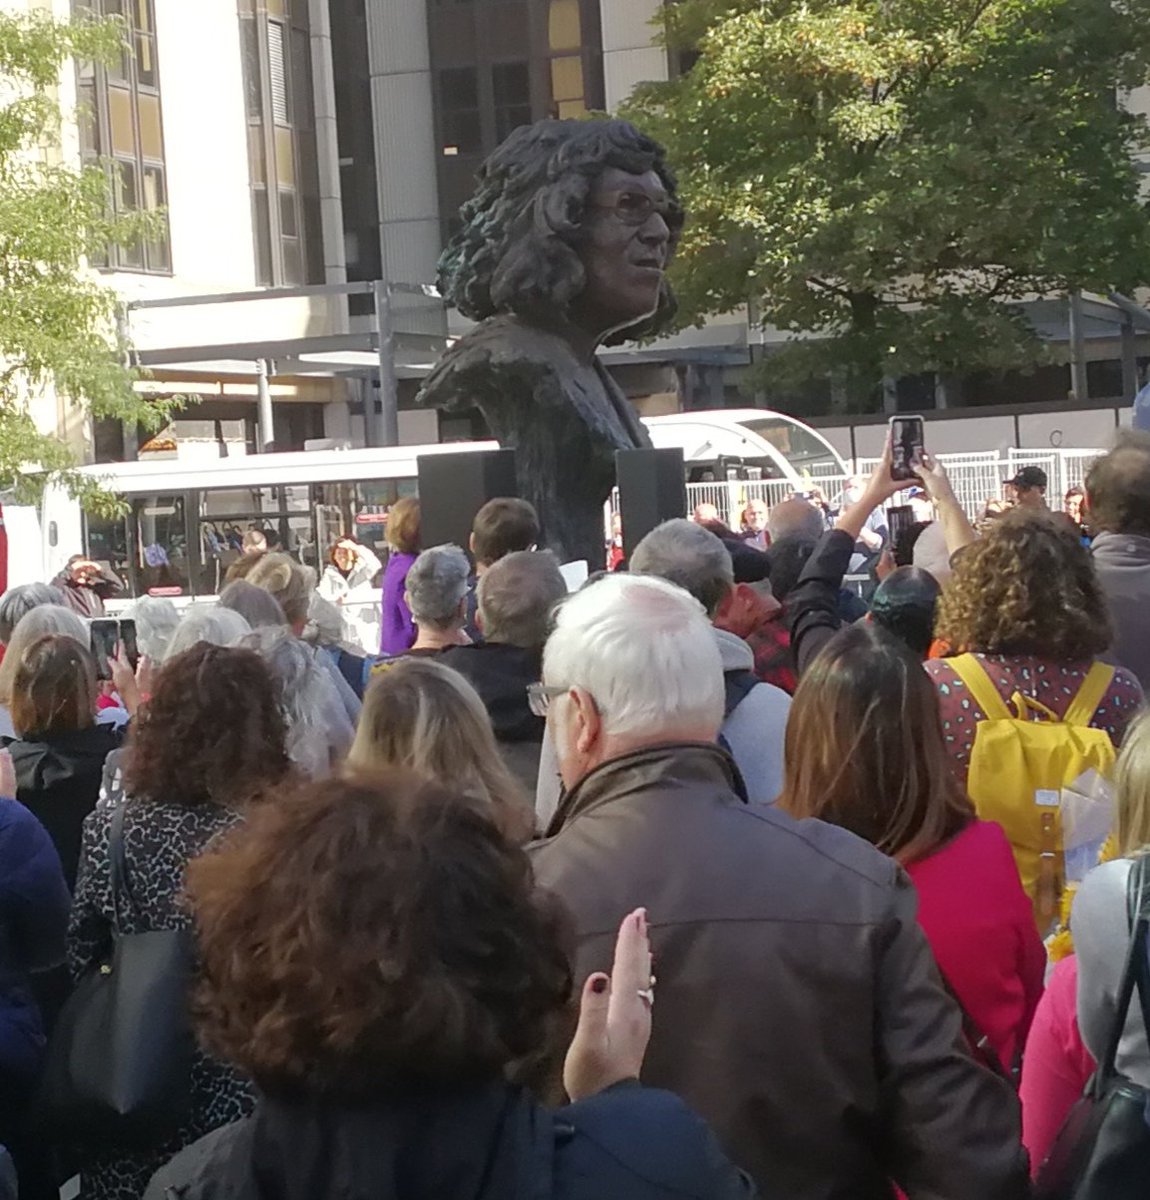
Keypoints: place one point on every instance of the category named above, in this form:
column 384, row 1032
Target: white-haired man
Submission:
column 799, row 1007
column 754, row 713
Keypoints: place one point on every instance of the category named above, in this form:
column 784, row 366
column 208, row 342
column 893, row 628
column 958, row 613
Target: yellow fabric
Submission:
column 1085, row 703
column 1016, row 757
column 1060, row 944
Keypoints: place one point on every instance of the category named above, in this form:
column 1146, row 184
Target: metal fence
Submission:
column 976, row 478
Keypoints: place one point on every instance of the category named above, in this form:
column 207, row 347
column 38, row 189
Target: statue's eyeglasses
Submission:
column 635, row 208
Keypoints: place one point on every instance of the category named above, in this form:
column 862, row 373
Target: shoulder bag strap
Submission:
column 1085, row 703
column 118, row 867
column 981, row 1047
column 1136, row 906
column 1142, row 947
column 981, row 687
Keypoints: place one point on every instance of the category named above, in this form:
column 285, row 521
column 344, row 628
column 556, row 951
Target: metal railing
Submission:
column 976, row 477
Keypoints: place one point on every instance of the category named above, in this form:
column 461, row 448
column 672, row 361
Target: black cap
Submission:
column 1029, row 477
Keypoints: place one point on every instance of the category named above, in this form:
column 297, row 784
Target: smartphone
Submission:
column 899, row 519
column 906, row 445
column 128, row 641
column 104, row 636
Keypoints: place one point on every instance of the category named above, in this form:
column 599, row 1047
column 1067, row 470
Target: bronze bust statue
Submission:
column 563, row 248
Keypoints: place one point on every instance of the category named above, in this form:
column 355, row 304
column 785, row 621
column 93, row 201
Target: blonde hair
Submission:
column 403, row 525
column 423, row 716
column 33, row 625
column 1132, row 789
column 287, row 581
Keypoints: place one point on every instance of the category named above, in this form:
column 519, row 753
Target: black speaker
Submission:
column 454, row 487
column 652, row 489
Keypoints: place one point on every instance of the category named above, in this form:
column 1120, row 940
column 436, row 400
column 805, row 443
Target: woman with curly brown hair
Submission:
column 1027, row 623
column 1025, row 603
column 375, row 956
column 207, row 747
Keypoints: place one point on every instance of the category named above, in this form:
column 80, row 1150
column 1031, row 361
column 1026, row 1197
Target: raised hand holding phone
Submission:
column 906, row 444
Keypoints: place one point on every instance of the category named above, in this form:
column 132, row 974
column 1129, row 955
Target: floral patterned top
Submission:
column 1051, row 683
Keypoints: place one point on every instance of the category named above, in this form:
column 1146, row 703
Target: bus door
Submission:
column 159, row 545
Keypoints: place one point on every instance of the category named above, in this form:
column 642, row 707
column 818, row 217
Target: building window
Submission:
column 276, row 51
column 121, row 126
column 511, row 86
column 501, row 64
column 459, row 110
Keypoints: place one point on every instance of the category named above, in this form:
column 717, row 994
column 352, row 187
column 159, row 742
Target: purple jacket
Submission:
column 398, row 629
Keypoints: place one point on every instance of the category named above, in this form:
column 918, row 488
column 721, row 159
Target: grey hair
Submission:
column 255, row 604
column 688, row 555
column 436, row 586
column 41, row 620
column 207, row 623
column 795, row 518
column 156, row 621
column 517, row 595
column 319, row 730
column 21, row 599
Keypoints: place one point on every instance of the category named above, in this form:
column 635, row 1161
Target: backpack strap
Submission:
column 1085, row 703
column 981, row 687
column 737, row 686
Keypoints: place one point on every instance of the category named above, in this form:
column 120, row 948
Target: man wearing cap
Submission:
column 1028, row 488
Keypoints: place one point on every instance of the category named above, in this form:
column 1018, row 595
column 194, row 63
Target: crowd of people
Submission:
column 710, row 879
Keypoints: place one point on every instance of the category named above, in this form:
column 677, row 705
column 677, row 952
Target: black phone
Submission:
column 104, row 636
column 899, row 519
column 107, row 635
column 906, row 446
column 128, row 641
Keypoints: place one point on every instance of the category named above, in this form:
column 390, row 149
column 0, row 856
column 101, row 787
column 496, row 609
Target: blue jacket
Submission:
column 34, row 904
column 490, row 1143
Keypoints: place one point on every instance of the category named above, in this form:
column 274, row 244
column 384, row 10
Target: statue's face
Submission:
column 624, row 253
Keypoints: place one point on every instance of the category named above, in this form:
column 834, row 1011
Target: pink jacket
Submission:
column 1056, row 1066
column 980, row 926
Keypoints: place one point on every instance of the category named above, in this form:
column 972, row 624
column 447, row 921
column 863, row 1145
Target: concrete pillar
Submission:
column 1078, row 387
column 629, row 53
column 399, row 59
column 1129, row 360
column 327, row 147
column 265, row 413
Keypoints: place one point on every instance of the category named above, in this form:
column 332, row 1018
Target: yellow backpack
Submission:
column 1021, row 762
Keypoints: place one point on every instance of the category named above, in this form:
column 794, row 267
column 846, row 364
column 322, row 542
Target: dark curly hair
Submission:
column 211, row 733
column 371, row 933
column 518, row 248
column 1026, row 587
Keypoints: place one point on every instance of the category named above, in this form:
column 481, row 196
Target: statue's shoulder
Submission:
column 499, row 353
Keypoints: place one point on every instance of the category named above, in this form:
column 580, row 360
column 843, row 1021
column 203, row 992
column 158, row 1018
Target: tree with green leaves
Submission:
column 58, row 329
column 897, row 176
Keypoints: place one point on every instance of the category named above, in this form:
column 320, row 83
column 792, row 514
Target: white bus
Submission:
column 747, row 443
column 185, row 518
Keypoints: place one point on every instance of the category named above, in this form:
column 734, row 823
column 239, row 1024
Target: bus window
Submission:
column 161, row 546
column 373, row 500
column 283, row 514
column 106, row 541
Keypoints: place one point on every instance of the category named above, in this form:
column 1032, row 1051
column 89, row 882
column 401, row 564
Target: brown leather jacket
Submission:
column 798, row 1008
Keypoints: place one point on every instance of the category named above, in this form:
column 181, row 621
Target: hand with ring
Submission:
column 614, row 1016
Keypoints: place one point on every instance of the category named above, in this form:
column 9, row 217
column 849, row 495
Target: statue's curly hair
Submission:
column 517, row 250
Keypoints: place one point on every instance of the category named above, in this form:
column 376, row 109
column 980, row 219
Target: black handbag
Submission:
column 119, row 1062
column 1103, row 1150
